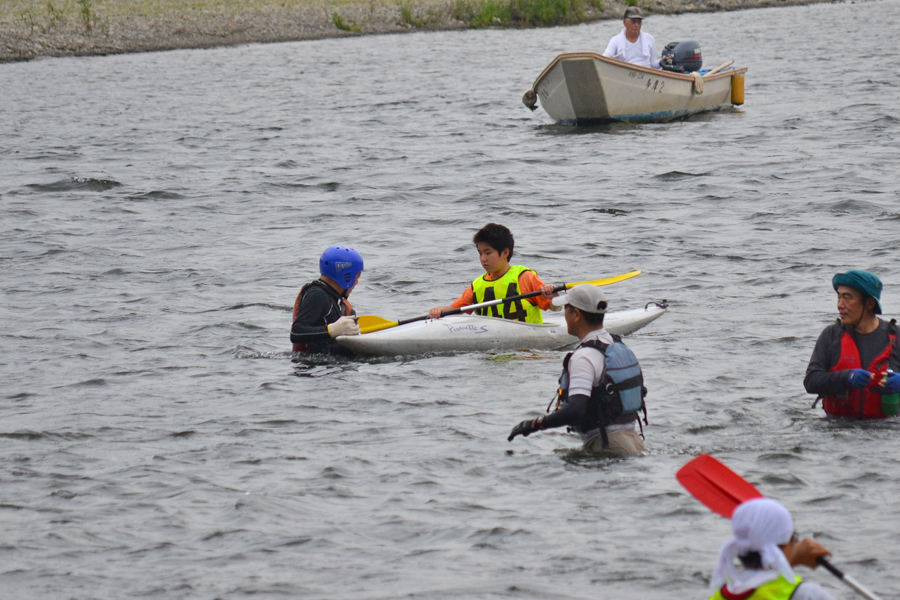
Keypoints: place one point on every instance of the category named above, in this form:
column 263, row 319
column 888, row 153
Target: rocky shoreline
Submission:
column 31, row 29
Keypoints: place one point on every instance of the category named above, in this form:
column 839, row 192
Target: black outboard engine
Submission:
column 681, row 57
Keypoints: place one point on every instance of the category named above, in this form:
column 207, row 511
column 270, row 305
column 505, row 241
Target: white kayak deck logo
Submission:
column 468, row 328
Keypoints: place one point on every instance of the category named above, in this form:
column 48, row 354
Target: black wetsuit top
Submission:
column 575, row 413
column 319, row 307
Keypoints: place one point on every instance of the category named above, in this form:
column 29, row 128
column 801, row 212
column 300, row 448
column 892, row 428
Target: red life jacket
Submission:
column 864, row 403
column 348, row 310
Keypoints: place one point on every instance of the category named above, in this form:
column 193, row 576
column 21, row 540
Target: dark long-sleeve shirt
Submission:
column 319, row 307
column 574, row 414
column 827, row 354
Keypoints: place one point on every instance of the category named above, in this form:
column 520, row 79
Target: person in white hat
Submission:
column 765, row 542
column 601, row 389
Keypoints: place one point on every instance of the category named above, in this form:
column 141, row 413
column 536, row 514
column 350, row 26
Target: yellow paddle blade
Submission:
column 607, row 280
column 372, row 323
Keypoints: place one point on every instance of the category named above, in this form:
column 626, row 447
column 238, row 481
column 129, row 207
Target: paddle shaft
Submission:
column 471, row 307
column 381, row 324
column 719, row 68
column 852, row 583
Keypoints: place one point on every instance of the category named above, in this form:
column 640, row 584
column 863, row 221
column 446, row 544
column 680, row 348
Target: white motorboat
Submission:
column 584, row 87
column 472, row 333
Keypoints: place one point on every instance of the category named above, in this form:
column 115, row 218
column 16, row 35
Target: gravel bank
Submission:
column 36, row 28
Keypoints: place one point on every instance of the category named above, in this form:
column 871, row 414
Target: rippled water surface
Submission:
column 160, row 212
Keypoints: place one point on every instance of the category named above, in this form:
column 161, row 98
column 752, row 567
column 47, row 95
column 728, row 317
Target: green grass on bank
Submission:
column 56, row 9
column 503, row 13
column 45, row 15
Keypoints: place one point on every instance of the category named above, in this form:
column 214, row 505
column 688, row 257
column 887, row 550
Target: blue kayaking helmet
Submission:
column 341, row 264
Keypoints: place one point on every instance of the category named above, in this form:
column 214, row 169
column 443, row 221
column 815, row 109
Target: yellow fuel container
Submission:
column 737, row 89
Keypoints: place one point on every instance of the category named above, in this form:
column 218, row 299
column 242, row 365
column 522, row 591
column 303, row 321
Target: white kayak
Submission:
column 472, row 333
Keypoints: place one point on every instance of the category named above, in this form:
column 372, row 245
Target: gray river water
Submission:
column 160, row 211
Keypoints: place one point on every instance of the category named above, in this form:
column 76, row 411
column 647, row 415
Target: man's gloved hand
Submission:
column 859, row 378
column 526, row 428
column 891, row 384
column 344, row 326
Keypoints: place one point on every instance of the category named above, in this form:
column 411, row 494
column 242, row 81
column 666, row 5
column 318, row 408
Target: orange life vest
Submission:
column 864, row 403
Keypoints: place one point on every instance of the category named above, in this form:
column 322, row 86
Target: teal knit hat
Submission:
column 863, row 282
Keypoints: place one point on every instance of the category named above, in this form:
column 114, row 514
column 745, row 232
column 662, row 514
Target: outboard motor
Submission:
column 681, row 57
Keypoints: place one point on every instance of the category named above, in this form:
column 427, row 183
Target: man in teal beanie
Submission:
column 854, row 360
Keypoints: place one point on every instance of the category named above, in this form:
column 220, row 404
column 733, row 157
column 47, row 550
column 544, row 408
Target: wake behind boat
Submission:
column 585, row 87
column 472, row 333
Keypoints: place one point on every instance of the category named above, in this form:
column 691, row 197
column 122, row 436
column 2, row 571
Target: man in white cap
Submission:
column 765, row 542
column 631, row 44
column 601, row 389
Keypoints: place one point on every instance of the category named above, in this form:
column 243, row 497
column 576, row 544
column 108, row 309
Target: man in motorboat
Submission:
column 601, row 388
column 855, row 366
column 495, row 246
column 631, row 44
column 765, row 542
column 322, row 311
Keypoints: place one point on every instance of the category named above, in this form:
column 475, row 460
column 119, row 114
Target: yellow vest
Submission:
column 506, row 286
column 780, row 589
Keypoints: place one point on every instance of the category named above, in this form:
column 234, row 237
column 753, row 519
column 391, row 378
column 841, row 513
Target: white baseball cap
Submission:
column 585, row 297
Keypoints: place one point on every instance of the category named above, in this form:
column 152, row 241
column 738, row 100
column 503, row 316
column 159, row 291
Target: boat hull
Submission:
column 472, row 333
column 584, row 87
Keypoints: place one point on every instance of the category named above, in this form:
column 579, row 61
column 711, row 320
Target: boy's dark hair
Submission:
column 497, row 237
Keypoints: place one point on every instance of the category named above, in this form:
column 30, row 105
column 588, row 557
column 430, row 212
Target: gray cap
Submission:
column 585, row 297
column 633, row 12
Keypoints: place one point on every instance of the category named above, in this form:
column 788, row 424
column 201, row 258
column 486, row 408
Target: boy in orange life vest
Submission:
column 850, row 353
column 495, row 245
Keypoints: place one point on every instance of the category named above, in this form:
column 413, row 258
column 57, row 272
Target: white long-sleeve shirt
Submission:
column 642, row 52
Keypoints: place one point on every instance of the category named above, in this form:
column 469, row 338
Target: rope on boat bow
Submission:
column 698, row 83
column 530, row 100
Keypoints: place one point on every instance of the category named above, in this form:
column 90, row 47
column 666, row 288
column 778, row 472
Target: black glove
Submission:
column 525, row 428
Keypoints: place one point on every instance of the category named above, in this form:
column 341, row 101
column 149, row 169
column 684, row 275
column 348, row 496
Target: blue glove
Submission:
column 859, row 378
column 891, row 385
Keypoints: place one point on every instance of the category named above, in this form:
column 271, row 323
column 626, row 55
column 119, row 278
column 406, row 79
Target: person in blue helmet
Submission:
column 856, row 361
column 322, row 311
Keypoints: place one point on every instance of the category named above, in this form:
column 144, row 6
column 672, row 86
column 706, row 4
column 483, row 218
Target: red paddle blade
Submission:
column 715, row 485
